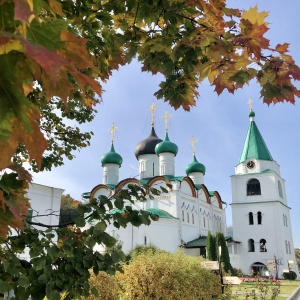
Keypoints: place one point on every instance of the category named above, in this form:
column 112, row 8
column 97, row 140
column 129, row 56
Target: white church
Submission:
column 262, row 235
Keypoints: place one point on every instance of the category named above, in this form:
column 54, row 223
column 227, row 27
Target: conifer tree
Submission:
column 211, row 247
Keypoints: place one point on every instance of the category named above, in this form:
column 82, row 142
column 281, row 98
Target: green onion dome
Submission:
column 112, row 157
column 147, row 146
column 166, row 146
column 195, row 166
column 251, row 114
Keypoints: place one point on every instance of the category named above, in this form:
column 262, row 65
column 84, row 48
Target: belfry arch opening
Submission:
column 253, row 187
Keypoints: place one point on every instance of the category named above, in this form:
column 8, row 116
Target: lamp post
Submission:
column 220, row 269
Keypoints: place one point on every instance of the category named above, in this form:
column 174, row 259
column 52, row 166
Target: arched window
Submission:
column 253, row 187
column 280, row 189
column 259, row 218
column 263, row 247
column 188, row 217
column 193, row 219
column 250, row 218
column 182, row 215
column 251, row 247
column 162, row 170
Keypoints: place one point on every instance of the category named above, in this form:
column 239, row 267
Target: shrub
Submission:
column 106, row 286
column 290, row 275
column 161, row 275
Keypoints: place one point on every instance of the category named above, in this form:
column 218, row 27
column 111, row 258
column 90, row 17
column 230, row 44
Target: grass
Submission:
column 264, row 290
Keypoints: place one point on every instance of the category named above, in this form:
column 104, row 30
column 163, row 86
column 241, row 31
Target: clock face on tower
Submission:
column 250, row 164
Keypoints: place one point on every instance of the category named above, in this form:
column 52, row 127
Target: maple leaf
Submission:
column 15, row 205
column 254, row 16
column 282, row 48
column 23, row 10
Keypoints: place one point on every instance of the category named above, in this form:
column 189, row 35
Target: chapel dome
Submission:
column 251, row 114
column 111, row 157
column 147, row 146
column 166, row 146
column 195, row 166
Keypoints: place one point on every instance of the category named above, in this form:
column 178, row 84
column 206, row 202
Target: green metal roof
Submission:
column 195, row 166
column 197, row 243
column 255, row 146
column 161, row 213
column 111, row 157
column 166, row 146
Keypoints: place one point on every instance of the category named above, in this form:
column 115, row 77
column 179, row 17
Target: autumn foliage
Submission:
column 55, row 54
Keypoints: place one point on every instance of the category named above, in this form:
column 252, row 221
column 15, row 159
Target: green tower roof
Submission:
column 195, row 166
column 166, row 146
column 111, row 157
column 254, row 146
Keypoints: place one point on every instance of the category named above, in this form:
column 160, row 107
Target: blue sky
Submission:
column 219, row 123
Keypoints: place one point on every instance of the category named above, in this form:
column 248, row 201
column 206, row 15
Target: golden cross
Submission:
column 166, row 117
column 193, row 142
column 113, row 131
column 250, row 102
column 152, row 108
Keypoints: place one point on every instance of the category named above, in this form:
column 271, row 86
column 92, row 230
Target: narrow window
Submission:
column 263, row 247
column 193, row 219
column 253, row 187
column 182, row 215
column 188, row 217
column 289, row 248
column 145, row 240
column 280, row 189
column 259, row 218
column 251, row 247
column 204, row 222
column 250, row 218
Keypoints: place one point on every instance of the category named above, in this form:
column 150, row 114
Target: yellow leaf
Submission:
column 254, row 16
column 161, row 22
column 11, row 45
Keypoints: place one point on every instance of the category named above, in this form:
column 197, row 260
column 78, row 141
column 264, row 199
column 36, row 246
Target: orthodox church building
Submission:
column 262, row 236
column 186, row 213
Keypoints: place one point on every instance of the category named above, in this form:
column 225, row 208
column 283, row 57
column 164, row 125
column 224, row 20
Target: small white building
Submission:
column 262, row 233
column 45, row 207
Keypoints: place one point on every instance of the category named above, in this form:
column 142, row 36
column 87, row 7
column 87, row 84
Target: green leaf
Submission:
column 4, row 286
column 39, row 262
column 23, row 281
column 47, row 34
column 240, row 77
column 53, row 295
column 43, row 279
column 53, row 252
column 95, row 292
column 80, row 222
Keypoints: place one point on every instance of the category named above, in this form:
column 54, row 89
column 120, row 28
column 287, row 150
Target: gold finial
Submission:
column 250, row 102
column 166, row 117
column 112, row 131
column 193, row 142
column 152, row 108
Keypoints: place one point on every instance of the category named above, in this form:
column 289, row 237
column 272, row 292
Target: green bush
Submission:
column 290, row 275
column 162, row 275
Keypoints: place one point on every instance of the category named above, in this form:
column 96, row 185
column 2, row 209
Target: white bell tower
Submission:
column 260, row 214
